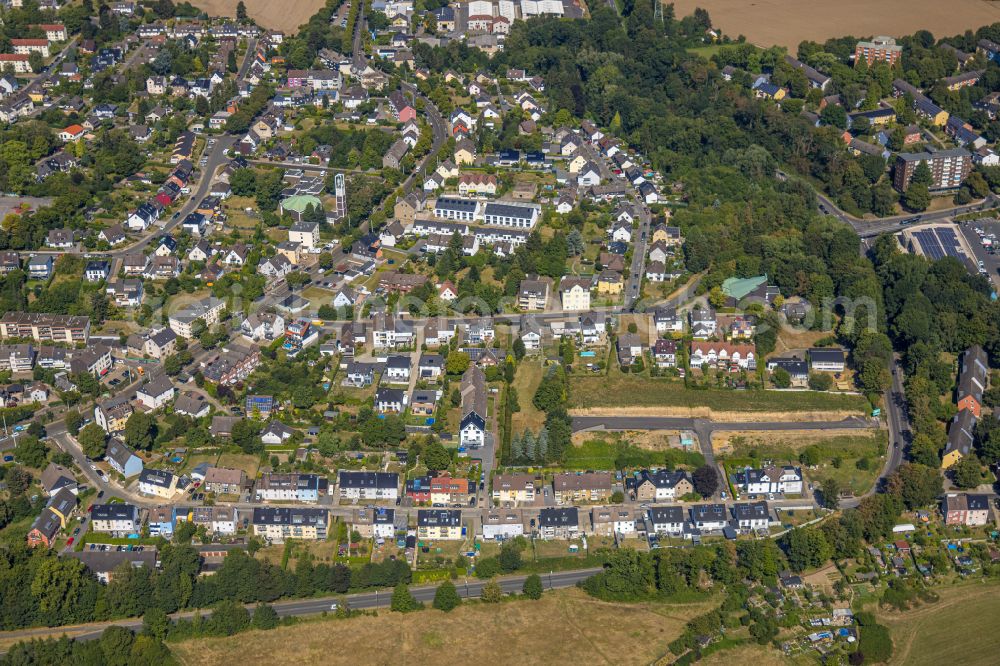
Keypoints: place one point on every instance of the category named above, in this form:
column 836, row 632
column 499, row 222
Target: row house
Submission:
column 279, row 523
column 39, row 326
column 723, row 355
column 368, row 485
column 233, row 364
column 273, row 487
column 582, row 487
column 515, row 489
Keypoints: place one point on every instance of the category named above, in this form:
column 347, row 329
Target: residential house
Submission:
column 502, row 524
column 122, row 459
column 117, row 519
column 514, row 489
column 667, row 520
column 966, row 509
column 439, row 524
column 224, row 481
column 368, row 485
column 278, row 523
column 295, row 487
column 156, row 482
column 770, row 480
column 662, row 485
column 558, row 523
column 827, row 359
column 751, row 516
column 570, row 488
column 609, row 521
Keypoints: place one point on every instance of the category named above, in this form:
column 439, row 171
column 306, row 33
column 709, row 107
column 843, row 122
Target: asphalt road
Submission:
column 468, row 589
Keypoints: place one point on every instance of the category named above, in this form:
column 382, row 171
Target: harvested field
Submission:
column 519, row 632
column 709, row 413
column 285, row 15
column 790, row 440
column 959, row 628
column 618, row 394
column 786, row 22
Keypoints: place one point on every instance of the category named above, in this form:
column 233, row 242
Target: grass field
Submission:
column 787, row 22
column 563, row 627
column 960, row 628
column 247, row 463
column 619, row 391
column 526, row 381
column 284, row 15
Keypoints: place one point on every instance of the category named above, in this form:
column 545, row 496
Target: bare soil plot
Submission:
column 563, row 627
column 788, row 22
column 285, row 15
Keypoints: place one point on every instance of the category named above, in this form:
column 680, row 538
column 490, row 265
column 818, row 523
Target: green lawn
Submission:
column 592, row 454
column 620, row 390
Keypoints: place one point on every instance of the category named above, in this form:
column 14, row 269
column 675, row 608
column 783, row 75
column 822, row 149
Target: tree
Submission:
column 140, row 430
column 264, row 617
column 917, row 197
column 781, row 378
column 706, row 480
column 246, row 435
column 241, row 11
column 510, row 558
column 916, row 485
column 35, row 61
column 967, row 472
column 820, row 381
column 922, row 175
column 457, row 363
column 806, row 548
column 403, row 601
column 243, row 182
column 436, row 457
column 32, row 452
column 73, row 421
column 92, row 440
column 446, row 597
column 156, row 623
column 830, row 493
column 116, row 645
column 492, row 592
column 518, row 348
column 533, row 587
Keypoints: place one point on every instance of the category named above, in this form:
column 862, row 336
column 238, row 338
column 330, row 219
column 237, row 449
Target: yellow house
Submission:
column 464, row 156
column 610, row 283
column 940, row 118
column 959, row 438
column 36, row 96
column 577, row 163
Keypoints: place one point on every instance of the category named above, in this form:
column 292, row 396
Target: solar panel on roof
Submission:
column 929, row 244
column 949, row 241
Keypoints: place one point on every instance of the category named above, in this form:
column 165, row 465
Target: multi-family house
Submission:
column 439, row 524
column 572, row 488
column 667, row 520
column 772, row 479
column 158, row 483
column 515, row 489
column 374, row 523
column 295, row 487
column 964, row 509
column 122, row 459
column 558, row 523
column 117, row 519
column 368, row 485
column 662, row 485
column 709, row 517
column 751, row 516
column 609, row 521
column 224, row 481
column 278, row 523
column 501, row 524
column 472, row 426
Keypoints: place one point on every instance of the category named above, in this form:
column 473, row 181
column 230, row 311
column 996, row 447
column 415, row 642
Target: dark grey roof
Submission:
column 156, row 477
column 509, row 210
column 368, row 479
column 456, row 204
column 283, row 515
column 826, row 355
column 439, row 517
column 666, row 514
column 750, row 511
column 558, row 517
column 114, row 511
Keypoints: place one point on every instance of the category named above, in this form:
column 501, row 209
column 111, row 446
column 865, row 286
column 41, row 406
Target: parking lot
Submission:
column 983, row 238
